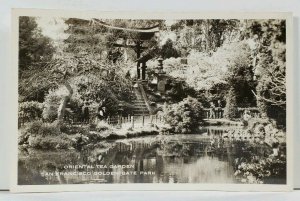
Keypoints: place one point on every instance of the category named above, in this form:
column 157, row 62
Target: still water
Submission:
column 155, row 159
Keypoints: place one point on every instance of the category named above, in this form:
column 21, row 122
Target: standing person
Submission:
column 85, row 112
column 102, row 113
column 212, row 111
column 219, row 104
column 219, row 109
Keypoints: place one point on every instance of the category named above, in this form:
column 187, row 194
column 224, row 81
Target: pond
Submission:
column 188, row 158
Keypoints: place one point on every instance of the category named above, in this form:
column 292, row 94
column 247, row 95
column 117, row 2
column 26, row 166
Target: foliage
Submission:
column 33, row 46
column 39, row 128
column 52, row 102
column 32, row 128
column 269, row 65
column 168, row 50
column 185, row 116
column 30, row 110
column 203, row 73
column 178, row 90
column 204, row 35
column 230, row 110
column 50, row 142
column 216, row 73
column 35, row 51
column 44, row 136
column 91, row 90
column 265, row 170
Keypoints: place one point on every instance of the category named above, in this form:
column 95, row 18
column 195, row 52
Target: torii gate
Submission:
column 143, row 34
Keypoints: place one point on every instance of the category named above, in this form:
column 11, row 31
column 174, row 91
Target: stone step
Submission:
column 140, row 107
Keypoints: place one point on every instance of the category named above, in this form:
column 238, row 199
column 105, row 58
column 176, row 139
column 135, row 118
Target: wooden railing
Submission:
column 218, row 113
column 134, row 121
column 209, row 113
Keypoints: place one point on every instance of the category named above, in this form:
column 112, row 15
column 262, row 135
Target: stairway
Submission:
column 140, row 107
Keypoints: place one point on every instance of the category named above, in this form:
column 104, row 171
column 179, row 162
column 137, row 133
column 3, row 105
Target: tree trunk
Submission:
column 63, row 104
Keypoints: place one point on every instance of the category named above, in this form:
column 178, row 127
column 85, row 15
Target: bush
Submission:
column 33, row 127
column 49, row 129
column 38, row 128
column 185, row 116
column 50, row 142
column 265, row 170
column 44, row 136
column 30, row 110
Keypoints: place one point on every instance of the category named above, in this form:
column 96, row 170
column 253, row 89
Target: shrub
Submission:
column 264, row 170
column 30, row 110
column 37, row 134
column 50, row 142
column 49, row 129
column 33, row 127
column 38, row 128
column 185, row 116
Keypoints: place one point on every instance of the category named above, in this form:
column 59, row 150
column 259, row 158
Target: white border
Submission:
column 14, row 187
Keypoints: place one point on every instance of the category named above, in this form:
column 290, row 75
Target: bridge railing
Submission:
column 218, row 112
column 134, row 121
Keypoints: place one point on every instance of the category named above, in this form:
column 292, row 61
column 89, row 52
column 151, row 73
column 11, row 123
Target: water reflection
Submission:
column 160, row 159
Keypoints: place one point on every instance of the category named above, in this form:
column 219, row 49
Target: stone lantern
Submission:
column 161, row 77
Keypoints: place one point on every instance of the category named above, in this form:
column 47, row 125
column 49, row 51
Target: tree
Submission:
column 204, row 35
column 35, row 51
column 168, row 51
column 240, row 74
column 269, row 65
column 230, row 111
column 185, row 116
column 34, row 48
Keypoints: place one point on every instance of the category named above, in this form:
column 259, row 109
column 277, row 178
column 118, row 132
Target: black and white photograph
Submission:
column 115, row 100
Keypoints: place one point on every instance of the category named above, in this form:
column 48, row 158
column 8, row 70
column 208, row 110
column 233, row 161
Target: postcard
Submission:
column 151, row 101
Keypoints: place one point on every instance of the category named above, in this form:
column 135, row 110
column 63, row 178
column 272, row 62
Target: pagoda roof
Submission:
column 151, row 29
column 146, row 30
